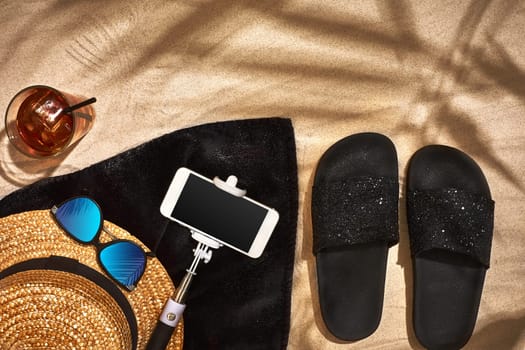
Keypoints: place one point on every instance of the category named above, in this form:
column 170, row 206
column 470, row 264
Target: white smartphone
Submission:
column 238, row 222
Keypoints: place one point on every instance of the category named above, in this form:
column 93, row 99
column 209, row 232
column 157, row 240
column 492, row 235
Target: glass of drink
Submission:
column 41, row 121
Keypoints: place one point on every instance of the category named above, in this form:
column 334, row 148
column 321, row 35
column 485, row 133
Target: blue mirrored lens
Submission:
column 80, row 217
column 124, row 261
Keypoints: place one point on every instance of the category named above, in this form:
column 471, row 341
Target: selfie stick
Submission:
column 174, row 307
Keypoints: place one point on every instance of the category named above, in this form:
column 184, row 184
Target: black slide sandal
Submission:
column 355, row 221
column 450, row 219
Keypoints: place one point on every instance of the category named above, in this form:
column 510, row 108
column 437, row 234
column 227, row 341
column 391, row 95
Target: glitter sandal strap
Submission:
column 453, row 220
column 355, row 211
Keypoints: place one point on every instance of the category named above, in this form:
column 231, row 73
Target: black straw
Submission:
column 79, row 105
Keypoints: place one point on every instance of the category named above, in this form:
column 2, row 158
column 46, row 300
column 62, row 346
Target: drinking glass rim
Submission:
column 37, row 86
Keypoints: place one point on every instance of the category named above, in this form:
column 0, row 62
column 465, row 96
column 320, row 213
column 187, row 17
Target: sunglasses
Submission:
column 122, row 260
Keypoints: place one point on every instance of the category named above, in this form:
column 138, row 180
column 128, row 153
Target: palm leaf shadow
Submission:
column 505, row 73
column 208, row 17
column 459, row 124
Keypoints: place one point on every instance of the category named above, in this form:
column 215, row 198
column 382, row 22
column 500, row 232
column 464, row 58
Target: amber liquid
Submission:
column 41, row 122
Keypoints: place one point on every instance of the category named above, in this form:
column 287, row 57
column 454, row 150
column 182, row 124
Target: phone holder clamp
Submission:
column 205, row 241
column 230, row 186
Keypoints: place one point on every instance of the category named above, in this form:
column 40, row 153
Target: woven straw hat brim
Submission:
column 61, row 310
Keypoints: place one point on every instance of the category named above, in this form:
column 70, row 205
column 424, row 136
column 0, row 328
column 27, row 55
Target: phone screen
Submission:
column 230, row 219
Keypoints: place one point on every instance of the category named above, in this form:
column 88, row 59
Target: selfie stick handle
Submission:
column 174, row 307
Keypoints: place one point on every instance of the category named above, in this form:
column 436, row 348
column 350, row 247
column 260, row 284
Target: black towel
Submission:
column 235, row 302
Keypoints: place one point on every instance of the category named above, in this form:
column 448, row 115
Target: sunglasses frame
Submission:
column 100, row 246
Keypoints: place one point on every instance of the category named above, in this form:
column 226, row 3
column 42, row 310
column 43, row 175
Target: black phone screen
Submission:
column 230, row 219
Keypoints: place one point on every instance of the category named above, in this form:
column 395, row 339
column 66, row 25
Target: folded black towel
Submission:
column 235, row 302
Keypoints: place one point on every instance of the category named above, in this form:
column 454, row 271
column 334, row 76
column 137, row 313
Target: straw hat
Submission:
column 54, row 295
